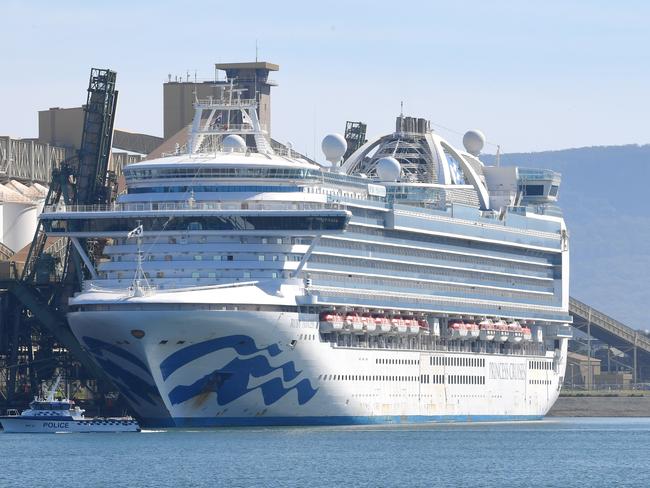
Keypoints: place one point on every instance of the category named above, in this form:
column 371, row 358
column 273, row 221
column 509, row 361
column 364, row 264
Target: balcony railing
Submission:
column 190, row 206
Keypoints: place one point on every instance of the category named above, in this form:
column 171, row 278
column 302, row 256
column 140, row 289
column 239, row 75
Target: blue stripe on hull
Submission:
column 333, row 420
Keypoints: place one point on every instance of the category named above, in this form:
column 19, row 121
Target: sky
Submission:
column 531, row 75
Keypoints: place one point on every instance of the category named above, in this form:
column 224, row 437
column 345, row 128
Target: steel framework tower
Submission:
column 36, row 301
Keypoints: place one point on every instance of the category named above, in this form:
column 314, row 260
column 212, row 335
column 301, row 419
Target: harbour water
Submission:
column 554, row 452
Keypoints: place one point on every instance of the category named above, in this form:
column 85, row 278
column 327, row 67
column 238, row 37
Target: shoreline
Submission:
column 602, row 404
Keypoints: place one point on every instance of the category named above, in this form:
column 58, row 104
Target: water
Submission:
column 553, row 452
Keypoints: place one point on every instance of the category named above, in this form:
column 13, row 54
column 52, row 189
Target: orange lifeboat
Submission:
column 473, row 330
column 457, row 330
column 354, row 323
column 368, row 323
column 412, row 326
column 487, row 330
column 383, row 324
column 503, row 333
column 398, row 324
column 515, row 332
column 330, row 322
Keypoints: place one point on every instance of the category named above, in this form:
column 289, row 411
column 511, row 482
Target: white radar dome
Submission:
column 334, row 147
column 388, row 169
column 234, row 143
column 474, row 140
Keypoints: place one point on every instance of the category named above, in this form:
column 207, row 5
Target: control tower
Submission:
column 178, row 96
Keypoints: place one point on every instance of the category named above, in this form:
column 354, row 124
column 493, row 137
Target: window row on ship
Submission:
column 350, row 249
column 339, row 265
column 219, row 193
column 197, row 173
column 423, row 378
column 222, row 269
column 389, row 286
column 508, row 277
column 446, row 243
column 436, row 255
column 407, row 270
column 347, row 296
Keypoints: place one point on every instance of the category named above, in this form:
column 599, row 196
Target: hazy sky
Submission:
column 531, row 75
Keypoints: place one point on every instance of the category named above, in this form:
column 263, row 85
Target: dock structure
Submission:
column 34, row 333
column 631, row 342
column 28, row 160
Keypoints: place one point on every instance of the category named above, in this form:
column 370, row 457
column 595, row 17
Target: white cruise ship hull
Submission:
column 238, row 367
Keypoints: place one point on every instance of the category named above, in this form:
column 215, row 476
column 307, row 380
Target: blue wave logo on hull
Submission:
column 132, row 386
column 231, row 381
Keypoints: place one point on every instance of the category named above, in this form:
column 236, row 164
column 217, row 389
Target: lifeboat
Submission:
column 382, row 324
column 330, row 322
column 515, row 333
column 398, row 325
column 457, row 330
column 487, row 330
column 412, row 326
column 424, row 327
column 502, row 332
column 369, row 324
column 354, row 323
column 472, row 330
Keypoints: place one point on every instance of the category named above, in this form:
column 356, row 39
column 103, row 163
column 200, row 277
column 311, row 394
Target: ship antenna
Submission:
column 498, row 157
column 140, row 277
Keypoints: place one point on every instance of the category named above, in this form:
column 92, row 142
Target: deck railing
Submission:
column 189, row 206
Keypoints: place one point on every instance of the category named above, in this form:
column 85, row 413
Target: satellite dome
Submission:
column 234, row 143
column 388, row 169
column 334, row 147
column 474, row 140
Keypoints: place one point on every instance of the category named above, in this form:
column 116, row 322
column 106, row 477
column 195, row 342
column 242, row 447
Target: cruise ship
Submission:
column 242, row 284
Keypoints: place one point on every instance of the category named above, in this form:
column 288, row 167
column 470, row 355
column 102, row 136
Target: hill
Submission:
column 605, row 196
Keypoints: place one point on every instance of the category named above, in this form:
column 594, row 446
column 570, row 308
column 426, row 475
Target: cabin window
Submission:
column 534, row 190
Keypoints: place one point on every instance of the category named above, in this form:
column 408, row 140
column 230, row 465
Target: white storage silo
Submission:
column 19, row 218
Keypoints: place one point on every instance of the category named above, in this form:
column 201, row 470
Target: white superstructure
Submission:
column 245, row 285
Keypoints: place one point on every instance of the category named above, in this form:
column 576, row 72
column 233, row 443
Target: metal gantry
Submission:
column 355, row 136
column 36, row 299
